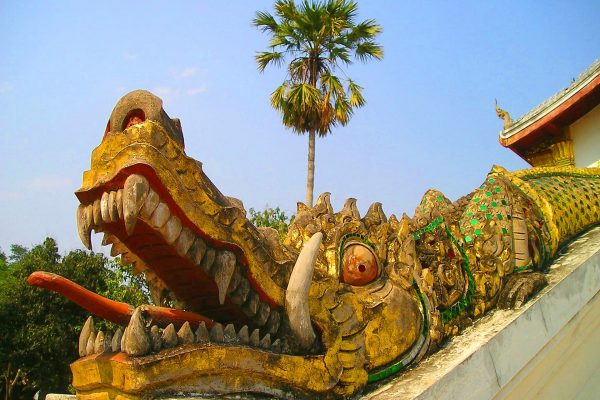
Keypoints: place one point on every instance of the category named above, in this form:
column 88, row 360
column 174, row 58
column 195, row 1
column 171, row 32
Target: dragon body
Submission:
column 341, row 302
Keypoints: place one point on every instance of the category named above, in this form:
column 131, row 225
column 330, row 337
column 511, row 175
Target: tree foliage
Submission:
column 316, row 39
column 38, row 328
column 271, row 217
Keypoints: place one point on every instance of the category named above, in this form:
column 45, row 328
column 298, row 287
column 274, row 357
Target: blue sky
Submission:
column 429, row 121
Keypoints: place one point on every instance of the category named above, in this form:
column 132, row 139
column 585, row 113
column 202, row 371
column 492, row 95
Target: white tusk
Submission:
column 135, row 191
column 296, row 295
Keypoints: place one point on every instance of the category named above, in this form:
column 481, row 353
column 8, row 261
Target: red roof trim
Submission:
column 591, row 91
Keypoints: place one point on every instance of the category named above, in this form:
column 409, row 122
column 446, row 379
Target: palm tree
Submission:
column 317, row 38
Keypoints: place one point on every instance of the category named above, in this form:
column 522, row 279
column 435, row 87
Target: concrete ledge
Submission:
column 506, row 352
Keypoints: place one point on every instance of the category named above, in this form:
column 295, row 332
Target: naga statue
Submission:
column 341, row 302
column 504, row 116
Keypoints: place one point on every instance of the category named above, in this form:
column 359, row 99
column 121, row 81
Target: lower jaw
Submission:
column 193, row 369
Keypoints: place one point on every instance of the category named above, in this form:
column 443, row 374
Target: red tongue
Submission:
column 111, row 310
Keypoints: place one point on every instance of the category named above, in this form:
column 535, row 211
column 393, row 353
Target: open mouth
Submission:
column 231, row 305
column 198, row 274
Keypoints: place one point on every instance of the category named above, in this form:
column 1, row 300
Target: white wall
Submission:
column 585, row 133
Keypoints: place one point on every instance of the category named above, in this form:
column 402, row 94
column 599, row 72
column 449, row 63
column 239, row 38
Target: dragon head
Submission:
column 335, row 305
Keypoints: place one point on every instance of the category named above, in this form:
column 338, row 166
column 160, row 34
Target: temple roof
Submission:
column 557, row 112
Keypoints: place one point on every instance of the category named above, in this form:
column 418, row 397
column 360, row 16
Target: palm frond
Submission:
column 286, row 9
column 278, row 97
column 343, row 111
column 365, row 30
column 265, row 58
column 356, row 97
column 304, row 97
column 339, row 53
column 333, row 85
column 265, row 22
column 367, row 50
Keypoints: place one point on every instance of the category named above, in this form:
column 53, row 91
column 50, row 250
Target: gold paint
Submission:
column 237, row 368
column 362, row 328
column 149, row 144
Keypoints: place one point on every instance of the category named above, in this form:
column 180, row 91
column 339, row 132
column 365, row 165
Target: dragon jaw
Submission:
column 196, row 248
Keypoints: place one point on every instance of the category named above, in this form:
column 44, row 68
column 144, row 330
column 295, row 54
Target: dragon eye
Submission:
column 359, row 265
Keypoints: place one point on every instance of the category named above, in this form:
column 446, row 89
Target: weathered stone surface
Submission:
column 185, row 334
column 116, row 340
column 155, row 338
column 137, row 340
column 86, row 331
column 169, row 336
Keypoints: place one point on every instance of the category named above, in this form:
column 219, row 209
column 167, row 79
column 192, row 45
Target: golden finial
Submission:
column 503, row 115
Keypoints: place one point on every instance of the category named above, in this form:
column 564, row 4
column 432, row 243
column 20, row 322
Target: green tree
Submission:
column 271, row 217
column 38, row 328
column 317, row 38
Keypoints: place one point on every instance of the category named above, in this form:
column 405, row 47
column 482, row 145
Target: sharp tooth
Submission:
column 104, row 207
column 119, row 202
column 116, row 340
column 96, row 213
column 155, row 339
column 196, row 252
column 240, row 294
column 243, row 335
column 171, row 230
column 107, row 342
column 208, row 260
column 150, row 205
column 137, row 342
column 100, row 345
column 216, row 333
column 265, row 342
column 273, row 323
column 87, row 329
column 89, row 347
column 262, row 314
column 235, row 280
column 135, row 191
column 184, row 241
column 229, row 335
column 276, row 346
column 202, row 333
column 84, row 224
column 112, row 206
column 296, row 295
column 254, row 338
column 122, row 342
column 185, row 334
column 169, row 337
column 223, row 270
column 160, row 216
column 250, row 307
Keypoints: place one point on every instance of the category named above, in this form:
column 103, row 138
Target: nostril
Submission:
column 133, row 117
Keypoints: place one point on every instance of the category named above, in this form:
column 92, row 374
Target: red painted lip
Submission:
column 118, row 181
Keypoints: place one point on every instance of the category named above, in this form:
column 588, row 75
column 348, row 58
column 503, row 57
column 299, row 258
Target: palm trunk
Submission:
column 310, row 176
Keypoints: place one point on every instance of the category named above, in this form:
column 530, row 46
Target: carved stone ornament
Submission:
column 342, row 302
